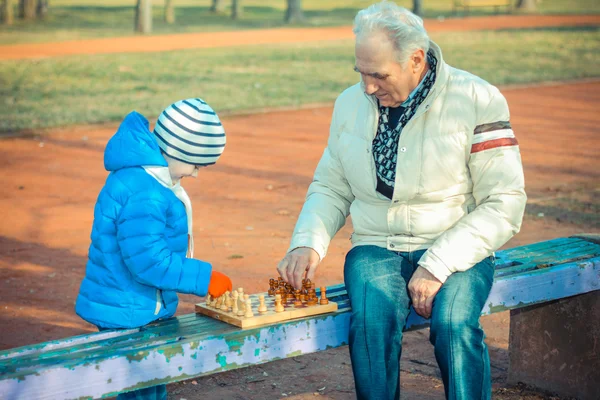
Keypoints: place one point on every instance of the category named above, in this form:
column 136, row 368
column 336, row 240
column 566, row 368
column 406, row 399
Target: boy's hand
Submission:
column 219, row 284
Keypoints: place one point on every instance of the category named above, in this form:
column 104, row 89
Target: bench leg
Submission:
column 555, row 346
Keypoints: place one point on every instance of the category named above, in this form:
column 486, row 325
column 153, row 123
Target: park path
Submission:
column 159, row 43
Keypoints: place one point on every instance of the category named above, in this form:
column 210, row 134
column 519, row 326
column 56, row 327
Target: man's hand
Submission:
column 423, row 287
column 296, row 263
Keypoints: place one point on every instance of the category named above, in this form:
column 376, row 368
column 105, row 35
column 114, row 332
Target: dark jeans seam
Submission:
column 450, row 367
column 483, row 346
column 364, row 323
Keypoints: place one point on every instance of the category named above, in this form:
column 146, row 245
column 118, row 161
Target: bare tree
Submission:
column 217, row 6
column 27, row 9
column 143, row 16
column 6, row 12
column 236, row 9
column 169, row 12
column 418, row 7
column 526, row 5
column 294, row 12
column 42, row 8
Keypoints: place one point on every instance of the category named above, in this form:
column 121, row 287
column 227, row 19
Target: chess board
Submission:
column 270, row 316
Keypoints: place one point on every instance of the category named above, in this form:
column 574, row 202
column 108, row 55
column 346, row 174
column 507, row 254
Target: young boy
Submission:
column 142, row 245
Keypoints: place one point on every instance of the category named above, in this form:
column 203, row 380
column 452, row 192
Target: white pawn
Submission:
column 278, row 306
column 219, row 302
column 208, row 300
column 234, row 301
column 228, row 301
column 249, row 312
column 224, row 305
column 262, row 308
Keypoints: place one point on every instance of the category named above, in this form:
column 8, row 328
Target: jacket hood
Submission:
column 133, row 145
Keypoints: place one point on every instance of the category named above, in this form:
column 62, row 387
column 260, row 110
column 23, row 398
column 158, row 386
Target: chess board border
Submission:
column 269, row 317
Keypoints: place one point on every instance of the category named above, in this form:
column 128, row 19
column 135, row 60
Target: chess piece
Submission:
column 324, row 299
column 262, row 307
column 307, row 284
column 219, row 302
column 225, row 305
column 271, row 291
column 228, row 302
column 241, row 303
column 278, row 305
column 208, row 300
column 298, row 302
column 248, row 312
column 234, row 302
column 312, row 298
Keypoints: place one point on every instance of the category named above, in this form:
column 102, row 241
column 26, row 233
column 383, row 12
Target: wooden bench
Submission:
column 106, row 363
column 466, row 5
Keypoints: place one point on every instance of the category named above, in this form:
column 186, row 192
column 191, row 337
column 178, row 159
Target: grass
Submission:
column 89, row 89
column 81, row 19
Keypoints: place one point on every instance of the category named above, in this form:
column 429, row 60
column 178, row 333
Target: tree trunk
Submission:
column 236, row 9
column 294, row 12
column 217, row 6
column 526, row 5
column 6, row 12
column 27, row 9
column 169, row 12
column 42, row 8
column 143, row 16
column 418, row 7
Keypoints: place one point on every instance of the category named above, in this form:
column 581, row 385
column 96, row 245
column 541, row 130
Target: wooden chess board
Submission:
column 290, row 312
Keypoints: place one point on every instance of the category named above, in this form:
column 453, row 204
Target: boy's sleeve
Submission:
column 141, row 236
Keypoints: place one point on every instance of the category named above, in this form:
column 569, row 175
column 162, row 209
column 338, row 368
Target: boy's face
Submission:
column 179, row 169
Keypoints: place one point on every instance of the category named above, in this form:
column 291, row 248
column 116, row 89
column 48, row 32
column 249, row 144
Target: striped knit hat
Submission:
column 190, row 131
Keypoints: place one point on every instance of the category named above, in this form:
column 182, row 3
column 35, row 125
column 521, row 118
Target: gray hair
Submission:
column 404, row 28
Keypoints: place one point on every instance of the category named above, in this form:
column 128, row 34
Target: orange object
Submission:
column 219, row 284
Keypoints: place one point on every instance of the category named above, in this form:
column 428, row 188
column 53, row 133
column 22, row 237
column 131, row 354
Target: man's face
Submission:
column 382, row 75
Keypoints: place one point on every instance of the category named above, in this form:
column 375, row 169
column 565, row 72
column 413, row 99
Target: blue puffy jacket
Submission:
column 137, row 258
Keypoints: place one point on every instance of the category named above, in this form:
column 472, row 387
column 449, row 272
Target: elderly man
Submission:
column 423, row 157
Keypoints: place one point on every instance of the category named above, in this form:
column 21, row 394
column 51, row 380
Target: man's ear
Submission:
column 418, row 60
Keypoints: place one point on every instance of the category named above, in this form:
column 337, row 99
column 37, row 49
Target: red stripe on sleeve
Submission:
column 492, row 144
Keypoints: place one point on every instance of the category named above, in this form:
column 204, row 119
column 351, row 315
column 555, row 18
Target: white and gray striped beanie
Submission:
column 190, row 131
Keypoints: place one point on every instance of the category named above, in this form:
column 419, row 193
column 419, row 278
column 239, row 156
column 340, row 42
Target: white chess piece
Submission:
column 262, row 308
column 249, row 312
column 234, row 301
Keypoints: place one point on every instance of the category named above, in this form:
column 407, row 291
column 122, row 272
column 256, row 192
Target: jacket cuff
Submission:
column 311, row 242
column 196, row 276
column 435, row 266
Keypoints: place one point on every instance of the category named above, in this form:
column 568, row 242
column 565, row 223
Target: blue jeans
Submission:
column 377, row 284
column 158, row 392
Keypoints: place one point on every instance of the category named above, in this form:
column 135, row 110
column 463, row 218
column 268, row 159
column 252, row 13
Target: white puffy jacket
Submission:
column 459, row 189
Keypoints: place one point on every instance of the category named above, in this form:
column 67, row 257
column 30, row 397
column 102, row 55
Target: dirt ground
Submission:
column 158, row 43
column 245, row 208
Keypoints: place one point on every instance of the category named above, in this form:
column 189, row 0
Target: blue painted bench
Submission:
column 106, row 363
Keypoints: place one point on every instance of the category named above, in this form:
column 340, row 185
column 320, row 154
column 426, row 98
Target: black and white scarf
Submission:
column 385, row 144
